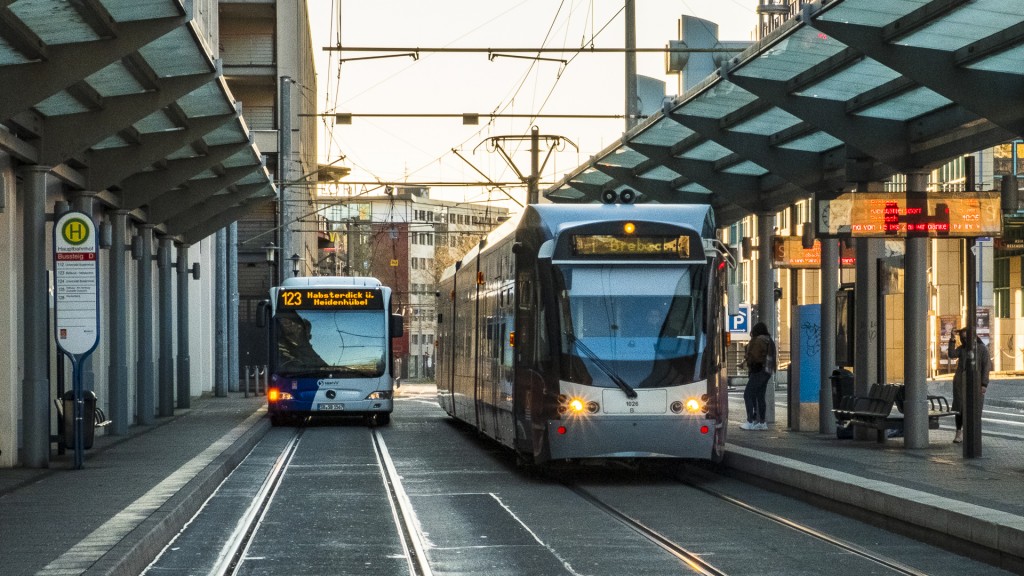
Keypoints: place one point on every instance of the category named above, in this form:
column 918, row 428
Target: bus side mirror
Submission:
column 262, row 311
column 397, row 326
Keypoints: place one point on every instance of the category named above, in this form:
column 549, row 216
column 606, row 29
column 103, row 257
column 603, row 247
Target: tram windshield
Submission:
column 339, row 344
column 642, row 325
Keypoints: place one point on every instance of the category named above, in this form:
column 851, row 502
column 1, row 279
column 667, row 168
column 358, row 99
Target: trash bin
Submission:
column 88, row 410
column 842, row 385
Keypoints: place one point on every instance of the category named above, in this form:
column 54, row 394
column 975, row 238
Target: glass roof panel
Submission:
column 969, row 23
column 114, row 141
column 723, row 98
column 872, row 12
column 8, row 55
column 661, row 173
column 709, row 151
column 155, row 122
column 747, row 168
column 175, row 54
column 246, row 157
column 694, row 187
column 255, row 177
column 908, row 105
column 183, row 153
column 664, row 132
column 851, row 81
column 54, row 21
column 60, row 104
column 133, row 10
column 567, row 194
column 814, row 142
column 115, row 80
column 592, row 176
column 207, row 100
column 228, row 133
column 623, row 158
column 204, row 175
column 1008, row 61
column 773, row 121
column 791, row 56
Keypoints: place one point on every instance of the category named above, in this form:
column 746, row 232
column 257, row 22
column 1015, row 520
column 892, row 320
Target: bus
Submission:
column 331, row 349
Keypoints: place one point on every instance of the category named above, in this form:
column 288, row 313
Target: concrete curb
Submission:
column 141, row 546
column 985, row 527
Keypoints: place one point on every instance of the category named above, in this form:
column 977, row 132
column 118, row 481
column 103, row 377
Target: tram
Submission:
column 589, row 332
column 331, row 349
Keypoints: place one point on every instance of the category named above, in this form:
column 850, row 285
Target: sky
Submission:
column 417, row 150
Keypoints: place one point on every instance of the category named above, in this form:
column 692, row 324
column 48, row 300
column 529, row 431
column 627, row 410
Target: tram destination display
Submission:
column 619, row 245
column 330, row 299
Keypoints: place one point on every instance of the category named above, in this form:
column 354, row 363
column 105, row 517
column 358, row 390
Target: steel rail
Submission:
column 401, row 509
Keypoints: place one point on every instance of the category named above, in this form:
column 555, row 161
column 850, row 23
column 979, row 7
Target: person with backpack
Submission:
column 759, row 357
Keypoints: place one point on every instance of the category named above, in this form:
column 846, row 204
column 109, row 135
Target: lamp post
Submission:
column 271, row 250
column 295, row 264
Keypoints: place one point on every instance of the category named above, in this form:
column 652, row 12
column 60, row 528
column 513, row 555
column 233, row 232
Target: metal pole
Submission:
column 165, row 404
column 534, row 180
column 972, row 400
column 35, row 387
column 145, row 397
column 865, row 363
column 184, row 360
column 284, row 164
column 766, row 308
column 120, row 411
column 632, row 102
column 829, row 287
column 220, row 384
column 84, row 202
column 78, row 412
column 915, row 326
column 232, row 316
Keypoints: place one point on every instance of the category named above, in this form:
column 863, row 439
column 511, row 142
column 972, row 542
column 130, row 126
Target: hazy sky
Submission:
column 419, row 150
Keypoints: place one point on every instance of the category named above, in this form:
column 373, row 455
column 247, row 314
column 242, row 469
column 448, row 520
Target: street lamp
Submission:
column 271, row 250
column 295, row 264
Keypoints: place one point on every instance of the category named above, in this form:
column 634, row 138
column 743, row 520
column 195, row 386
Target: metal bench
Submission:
column 876, row 409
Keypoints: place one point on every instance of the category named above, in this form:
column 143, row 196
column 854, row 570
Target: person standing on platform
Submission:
column 759, row 358
column 984, row 363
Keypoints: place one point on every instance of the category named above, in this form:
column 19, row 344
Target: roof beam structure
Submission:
column 204, row 228
column 178, row 201
column 141, row 188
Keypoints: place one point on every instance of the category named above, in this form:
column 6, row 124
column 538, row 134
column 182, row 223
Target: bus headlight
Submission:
column 380, row 395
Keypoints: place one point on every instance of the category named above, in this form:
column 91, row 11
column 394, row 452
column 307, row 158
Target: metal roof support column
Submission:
column 165, row 403
column 766, row 308
column 220, row 383
column 35, row 387
column 915, row 327
column 145, row 401
column 232, row 293
column 85, row 202
column 865, row 353
column 120, row 416
column 829, row 287
column 284, row 166
column 184, row 359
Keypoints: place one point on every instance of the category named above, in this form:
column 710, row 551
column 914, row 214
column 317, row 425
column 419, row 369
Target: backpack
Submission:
column 758, row 350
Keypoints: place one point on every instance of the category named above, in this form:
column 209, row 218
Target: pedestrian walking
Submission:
column 759, row 360
column 982, row 360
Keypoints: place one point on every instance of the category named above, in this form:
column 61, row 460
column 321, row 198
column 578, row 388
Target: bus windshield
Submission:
column 645, row 324
column 342, row 344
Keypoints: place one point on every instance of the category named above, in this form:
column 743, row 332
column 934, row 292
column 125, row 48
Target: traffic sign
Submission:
column 739, row 324
column 76, row 284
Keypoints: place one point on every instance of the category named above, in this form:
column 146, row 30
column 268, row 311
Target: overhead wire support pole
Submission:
column 493, row 183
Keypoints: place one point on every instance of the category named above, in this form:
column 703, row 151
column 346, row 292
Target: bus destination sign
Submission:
column 330, row 299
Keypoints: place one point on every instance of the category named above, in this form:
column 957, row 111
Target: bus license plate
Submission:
column 335, row 406
column 646, row 402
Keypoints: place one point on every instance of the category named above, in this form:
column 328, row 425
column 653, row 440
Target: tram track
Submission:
column 700, row 566
column 401, row 509
column 234, row 550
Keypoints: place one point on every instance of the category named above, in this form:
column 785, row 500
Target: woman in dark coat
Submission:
column 984, row 363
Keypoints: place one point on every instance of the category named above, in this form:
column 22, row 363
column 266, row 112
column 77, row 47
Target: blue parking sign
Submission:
column 740, row 323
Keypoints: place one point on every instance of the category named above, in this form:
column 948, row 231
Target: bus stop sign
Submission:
column 76, row 284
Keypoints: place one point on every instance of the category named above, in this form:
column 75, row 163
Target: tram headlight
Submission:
column 593, row 407
column 577, row 406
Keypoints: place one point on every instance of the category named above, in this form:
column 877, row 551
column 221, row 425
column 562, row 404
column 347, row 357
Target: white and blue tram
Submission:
column 589, row 331
column 331, row 349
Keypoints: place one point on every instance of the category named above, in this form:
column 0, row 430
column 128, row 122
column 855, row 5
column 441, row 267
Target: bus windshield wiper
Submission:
column 630, row 392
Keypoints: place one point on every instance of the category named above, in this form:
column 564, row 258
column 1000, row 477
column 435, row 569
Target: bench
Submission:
column 876, row 409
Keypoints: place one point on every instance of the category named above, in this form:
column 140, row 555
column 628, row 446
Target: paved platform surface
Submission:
column 136, row 491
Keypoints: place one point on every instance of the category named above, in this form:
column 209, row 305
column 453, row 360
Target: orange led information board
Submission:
column 881, row 215
column 789, row 252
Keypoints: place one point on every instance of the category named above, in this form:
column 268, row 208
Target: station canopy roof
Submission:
column 122, row 98
column 849, row 91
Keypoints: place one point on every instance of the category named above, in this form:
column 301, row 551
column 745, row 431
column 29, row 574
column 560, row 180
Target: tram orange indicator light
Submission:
column 629, row 228
column 512, row 339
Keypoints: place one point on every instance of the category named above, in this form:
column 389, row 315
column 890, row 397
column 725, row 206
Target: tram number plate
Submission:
column 334, row 406
column 646, row 402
